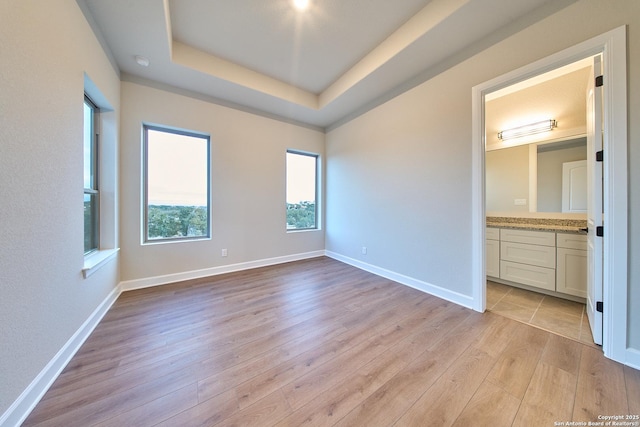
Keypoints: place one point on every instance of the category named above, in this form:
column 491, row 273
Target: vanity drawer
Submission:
column 545, row 238
column 572, row 241
column 541, row 256
column 492, row 233
column 531, row 275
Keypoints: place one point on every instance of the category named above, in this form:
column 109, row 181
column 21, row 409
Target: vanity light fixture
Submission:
column 530, row 129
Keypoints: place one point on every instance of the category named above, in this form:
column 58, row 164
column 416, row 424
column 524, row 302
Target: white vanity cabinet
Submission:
column 528, row 257
column 546, row 260
column 572, row 264
column 492, row 252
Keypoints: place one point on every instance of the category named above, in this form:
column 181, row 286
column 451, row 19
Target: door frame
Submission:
column 613, row 46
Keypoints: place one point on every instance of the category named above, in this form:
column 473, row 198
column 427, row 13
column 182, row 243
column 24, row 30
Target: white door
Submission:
column 574, row 186
column 594, row 202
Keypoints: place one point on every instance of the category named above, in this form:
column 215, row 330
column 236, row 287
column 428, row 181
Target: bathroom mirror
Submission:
column 529, row 178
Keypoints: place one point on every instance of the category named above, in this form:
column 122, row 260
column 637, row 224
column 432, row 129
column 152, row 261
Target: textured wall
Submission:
column 247, row 184
column 46, row 47
column 399, row 176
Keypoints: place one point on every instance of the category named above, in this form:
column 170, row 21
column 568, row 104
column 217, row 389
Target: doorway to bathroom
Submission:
column 536, row 164
column 612, row 302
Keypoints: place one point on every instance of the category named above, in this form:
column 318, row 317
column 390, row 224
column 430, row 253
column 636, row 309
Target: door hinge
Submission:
column 599, row 81
column 599, row 156
column 599, row 307
column 599, row 231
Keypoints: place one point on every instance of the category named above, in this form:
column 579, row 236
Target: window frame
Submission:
column 94, row 188
column 145, row 183
column 315, row 156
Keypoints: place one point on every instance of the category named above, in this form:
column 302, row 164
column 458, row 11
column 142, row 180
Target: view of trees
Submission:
column 90, row 223
column 167, row 222
column 301, row 215
column 176, row 221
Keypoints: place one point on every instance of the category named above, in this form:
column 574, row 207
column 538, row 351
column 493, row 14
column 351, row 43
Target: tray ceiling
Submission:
column 315, row 67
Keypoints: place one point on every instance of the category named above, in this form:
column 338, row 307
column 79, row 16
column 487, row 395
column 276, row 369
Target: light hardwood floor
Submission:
column 318, row 342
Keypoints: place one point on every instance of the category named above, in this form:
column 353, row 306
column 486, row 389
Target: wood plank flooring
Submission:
column 321, row 343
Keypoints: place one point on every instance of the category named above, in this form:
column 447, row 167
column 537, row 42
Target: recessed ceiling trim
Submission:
column 154, row 84
column 210, row 64
column 204, row 62
column 429, row 17
column 167, row 24
column 440, row 35
column 433, row 14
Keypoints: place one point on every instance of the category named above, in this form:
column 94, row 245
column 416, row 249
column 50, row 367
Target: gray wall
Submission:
column 399, row 176
column 47, row 46
column 247, row 184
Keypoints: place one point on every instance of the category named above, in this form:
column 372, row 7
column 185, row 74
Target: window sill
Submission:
column 301, row 230
column 94, row 261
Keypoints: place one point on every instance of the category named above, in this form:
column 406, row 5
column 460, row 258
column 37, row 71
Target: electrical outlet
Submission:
column 520, row 202
column 364, row 250
column 224, row 252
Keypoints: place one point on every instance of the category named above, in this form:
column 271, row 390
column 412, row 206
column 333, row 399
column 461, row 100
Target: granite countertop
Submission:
column 539, row 224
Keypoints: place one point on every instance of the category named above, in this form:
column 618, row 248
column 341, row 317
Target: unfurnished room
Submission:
column 319, row 212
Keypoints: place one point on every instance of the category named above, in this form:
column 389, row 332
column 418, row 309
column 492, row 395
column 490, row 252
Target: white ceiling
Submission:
column 317, row 67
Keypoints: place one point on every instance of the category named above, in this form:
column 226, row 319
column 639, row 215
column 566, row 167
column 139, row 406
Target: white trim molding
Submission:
column 446, row 294
column 130, row 285
column 613, row 47
column 96, row 260
column 24, row 404
column 633, row 358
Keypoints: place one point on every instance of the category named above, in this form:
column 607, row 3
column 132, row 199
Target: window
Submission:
column 302, row 191
column 176, row 185
column 100, row 183
column 91, row 194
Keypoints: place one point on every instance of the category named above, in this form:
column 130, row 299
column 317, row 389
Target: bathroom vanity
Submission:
column 544, row 255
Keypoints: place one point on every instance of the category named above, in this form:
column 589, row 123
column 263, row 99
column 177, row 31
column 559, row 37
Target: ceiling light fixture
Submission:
column 301, row 4
column 142, row 61
column 530, row 129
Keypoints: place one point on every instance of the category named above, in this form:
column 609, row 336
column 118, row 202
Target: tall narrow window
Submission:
column 176, row 184
column 91, row 194
column 302, row 191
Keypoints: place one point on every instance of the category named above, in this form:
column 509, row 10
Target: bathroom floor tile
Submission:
column 562, row 317
column 495, row 292
column 523, row 298
column 586, row 336
column 513, row 311
column 559, row 305
column 567, row 326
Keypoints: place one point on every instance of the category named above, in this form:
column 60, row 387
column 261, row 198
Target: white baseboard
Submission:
column 633, row 358
column 24, row 404
column 130, row 285
column 446, row 294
